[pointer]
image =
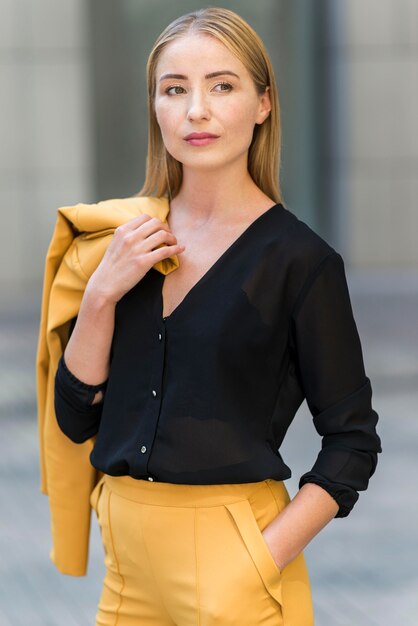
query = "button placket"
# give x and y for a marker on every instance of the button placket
(149, 420)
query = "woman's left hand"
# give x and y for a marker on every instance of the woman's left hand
(278, 561)
(288, 533)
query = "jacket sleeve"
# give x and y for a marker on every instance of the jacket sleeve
(338, 392)
(77, 417)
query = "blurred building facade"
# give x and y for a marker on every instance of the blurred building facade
(380, 61)
(73, 122)
(46, 155)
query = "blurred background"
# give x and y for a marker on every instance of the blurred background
(73, 129)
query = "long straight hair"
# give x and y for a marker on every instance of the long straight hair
(164, 174)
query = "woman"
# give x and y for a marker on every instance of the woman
(197, 375)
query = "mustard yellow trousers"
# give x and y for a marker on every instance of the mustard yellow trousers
(194, 555)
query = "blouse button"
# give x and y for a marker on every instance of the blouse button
(143, 449)
(154, 393)
(160, 336)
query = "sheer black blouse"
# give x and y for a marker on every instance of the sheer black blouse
(206, 395)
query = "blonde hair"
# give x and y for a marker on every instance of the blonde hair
(164, 173)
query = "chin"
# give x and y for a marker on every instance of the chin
(209, 161)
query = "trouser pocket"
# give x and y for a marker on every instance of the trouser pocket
(95, 495)
(254, 541)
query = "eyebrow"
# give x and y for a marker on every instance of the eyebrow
(207, 76)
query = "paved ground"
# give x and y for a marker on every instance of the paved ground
(363, 568)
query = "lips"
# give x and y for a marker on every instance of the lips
(200, 136)
(200, 139)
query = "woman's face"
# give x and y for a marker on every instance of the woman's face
(206, 103)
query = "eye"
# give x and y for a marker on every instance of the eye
(174, 90)
(223, 87)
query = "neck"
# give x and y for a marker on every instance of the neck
(214, 194)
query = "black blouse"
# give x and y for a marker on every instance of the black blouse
(206, 395)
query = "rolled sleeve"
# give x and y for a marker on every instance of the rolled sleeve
(77, 417)
(338, 392)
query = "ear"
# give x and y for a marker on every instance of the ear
(264, 107)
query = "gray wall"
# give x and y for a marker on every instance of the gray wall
(73, 118)
(379, 57)
(46, 141)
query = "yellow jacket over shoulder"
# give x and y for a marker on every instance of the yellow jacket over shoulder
(81, 235)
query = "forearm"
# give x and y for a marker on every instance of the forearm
(87, 354)
(309, 511)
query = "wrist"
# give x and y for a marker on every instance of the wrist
(98, 297)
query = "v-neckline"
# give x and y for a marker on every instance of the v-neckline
(211, 269)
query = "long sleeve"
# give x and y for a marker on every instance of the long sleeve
(338, 392)
(77, 417)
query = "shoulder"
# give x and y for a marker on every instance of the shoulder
(298, 252)
(300, 245)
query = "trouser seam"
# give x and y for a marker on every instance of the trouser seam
(140, 508)
(274, 497)
(197, 567)
(116, 561)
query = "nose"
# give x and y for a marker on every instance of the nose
(198, 106)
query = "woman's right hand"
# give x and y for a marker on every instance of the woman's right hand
(133, 250)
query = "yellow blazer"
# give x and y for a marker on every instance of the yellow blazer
(81, 235)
